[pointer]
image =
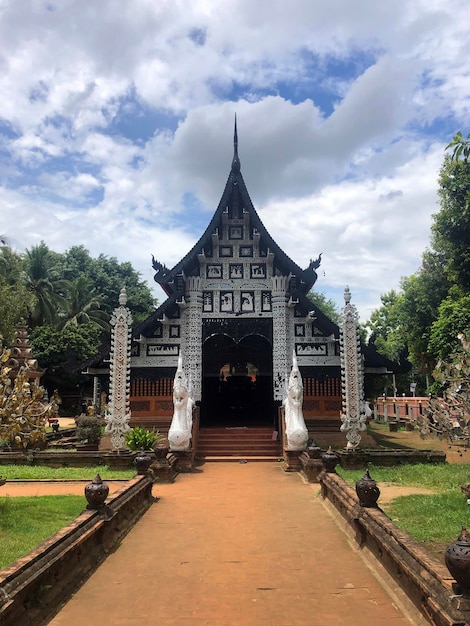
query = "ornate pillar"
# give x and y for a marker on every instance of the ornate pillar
(352, 374)
(117, 419)
(280, 338)
(192, 341)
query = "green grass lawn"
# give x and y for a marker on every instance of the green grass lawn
(36, 472)
(435, 520)
(27, 521)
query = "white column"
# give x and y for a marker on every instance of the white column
(192, 341)
(352, 374)
(117, 419)
(280, 338)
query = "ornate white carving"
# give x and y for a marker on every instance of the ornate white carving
(118, 416)
(353, 413)
(192, 341)
(296, 430)
(179, 434)
(280, 360)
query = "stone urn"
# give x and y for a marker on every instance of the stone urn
(161, 451)
(142, 461)
(314, 451)
(457, 559)
(96, 493)
(367, 491)
(330, 460)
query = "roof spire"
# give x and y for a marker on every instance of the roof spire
(236, 160)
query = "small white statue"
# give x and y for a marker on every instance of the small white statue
(179, 434)
(296, 430)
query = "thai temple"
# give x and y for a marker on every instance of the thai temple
(236, 315)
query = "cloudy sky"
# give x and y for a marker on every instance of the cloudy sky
(116, 126)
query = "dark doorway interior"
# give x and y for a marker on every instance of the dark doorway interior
(237, 387)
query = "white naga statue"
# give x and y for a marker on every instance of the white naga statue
(179, 434)
(296, 430)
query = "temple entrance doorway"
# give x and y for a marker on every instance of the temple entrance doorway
(237, 385)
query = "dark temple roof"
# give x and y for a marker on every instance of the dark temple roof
(235, 202)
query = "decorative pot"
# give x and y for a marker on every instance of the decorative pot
(457, 559)
(367, 491)
(96, 493)
(161, 451)
(330, 460)
(142, 461)
(314, 452)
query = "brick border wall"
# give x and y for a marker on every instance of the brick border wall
(34, 587)
(426, 582)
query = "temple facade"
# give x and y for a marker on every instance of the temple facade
(236, 312)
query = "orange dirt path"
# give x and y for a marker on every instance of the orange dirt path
(235, 544)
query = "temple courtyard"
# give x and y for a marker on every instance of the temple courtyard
(236, 543)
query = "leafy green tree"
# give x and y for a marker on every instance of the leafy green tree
(61, 350)
(84, 305)
(386, 327)
(425, 317)
(454, 319)
(47, 290)
(325, 304)
(422, 294)
(108, 277)
(15, 300)
(451, 228)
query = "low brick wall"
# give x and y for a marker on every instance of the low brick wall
(389, 457)
(34, 587)
(426, 582)
(69, 458)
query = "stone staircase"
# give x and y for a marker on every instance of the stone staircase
(238, 443)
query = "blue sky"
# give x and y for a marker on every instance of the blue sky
(116, 126)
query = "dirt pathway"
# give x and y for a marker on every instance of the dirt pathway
(234, 544)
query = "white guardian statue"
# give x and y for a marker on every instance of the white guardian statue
(296, 430)
(179, 434)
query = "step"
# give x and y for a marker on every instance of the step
(238, 442)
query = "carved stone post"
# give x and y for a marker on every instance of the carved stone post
(192, 344)
(352, 375)
(280, 342)
(117, 419)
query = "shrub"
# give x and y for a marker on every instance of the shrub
(88, 429)
(139, 438)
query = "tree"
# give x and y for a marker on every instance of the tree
(432, 305)
(61, 350)
(386, 327)
(453, 319)
(451, 228)
(108, 277)
(84, 305)
(325, 304)
(423, 293)
(47, 290)
(15, 300)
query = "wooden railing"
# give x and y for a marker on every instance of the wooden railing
(395, 409)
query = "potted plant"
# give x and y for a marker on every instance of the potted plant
(88, 432)
(142, 440)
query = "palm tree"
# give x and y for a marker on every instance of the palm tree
(48, 291)
(84, 305)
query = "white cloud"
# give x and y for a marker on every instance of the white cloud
(114, 113)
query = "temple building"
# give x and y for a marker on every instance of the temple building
(237, 309)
